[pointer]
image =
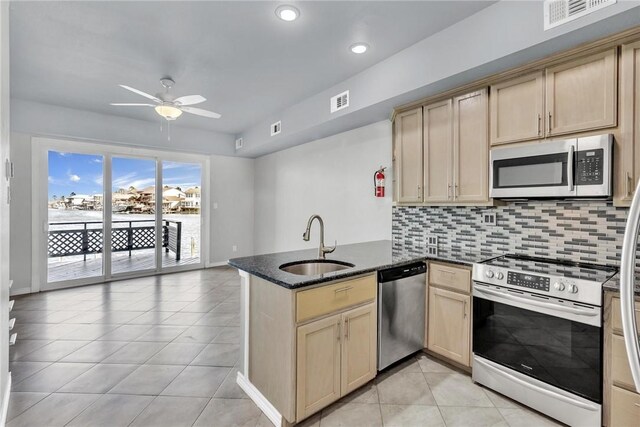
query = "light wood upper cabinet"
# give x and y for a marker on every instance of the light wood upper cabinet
(471, 147)
(449, 326)
(318, 365)
(517, 109)
(627, 150)
(438, 161)
(408, 155)
(582, 94)
(359, 348)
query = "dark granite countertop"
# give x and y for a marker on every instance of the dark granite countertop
(366, 257)
(613, 284)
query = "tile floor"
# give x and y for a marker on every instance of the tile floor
(161, 351)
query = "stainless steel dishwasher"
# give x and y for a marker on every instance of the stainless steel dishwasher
(401, 308)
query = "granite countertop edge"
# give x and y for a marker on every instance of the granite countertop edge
(613, 284)
(368, 257)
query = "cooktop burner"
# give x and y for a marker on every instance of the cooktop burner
(554, 267)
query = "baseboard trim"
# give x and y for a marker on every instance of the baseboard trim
(5, 401)
(216, 264)
(19, 291)
(265, 406)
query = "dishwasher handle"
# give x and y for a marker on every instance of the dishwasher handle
(397, 273)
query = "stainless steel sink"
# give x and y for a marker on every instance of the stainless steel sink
(315, 267)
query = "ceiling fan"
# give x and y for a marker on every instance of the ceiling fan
(167, 106)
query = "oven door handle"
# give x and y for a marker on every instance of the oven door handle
(538, 303)
(550, 393)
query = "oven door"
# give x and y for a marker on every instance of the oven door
(535, 170)
(554, 341)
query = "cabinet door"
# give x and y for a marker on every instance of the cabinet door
(582, 94)
(627, 150)
(471, 147)
(438, 162)
(517, 109)
(318, 365)
(359, 347)
(625, 408)
(408, 155)
(449, 325)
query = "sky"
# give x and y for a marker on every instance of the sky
(82, 174)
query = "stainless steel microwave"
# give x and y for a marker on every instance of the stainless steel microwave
(577, 167)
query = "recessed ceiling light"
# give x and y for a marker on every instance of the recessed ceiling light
(359, 48)
(287, 13)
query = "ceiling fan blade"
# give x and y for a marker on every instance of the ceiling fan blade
(201, 112)
(190, 100)
(125, 104)
(139, 92)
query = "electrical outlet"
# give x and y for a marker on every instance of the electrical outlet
(432, 250)
(432, 240)
(489, 218)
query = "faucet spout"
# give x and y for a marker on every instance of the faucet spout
(322, 250)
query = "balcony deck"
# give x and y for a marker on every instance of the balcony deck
(70, 268)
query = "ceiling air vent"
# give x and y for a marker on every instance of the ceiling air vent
(340, 101)
(558, 12)
(239, 143)
(276, 128)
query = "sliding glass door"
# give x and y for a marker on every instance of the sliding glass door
(75, 216)
(133, 215)
(147, 219)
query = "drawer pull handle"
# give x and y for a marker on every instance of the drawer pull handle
(346, 328)
(345, 289)
(339, 331)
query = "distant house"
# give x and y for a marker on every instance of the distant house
(192, 200)
(172, 199)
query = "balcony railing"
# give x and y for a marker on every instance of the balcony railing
(79, 238)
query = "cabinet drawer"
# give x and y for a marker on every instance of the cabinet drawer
(331, 298)
(457, 278)
(625, 408)
(616, 319)
(620, 371)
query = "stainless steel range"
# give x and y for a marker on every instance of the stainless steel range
(537, 334)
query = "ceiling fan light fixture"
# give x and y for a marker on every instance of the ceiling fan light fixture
(287, 12)
(169, 112)
(359, 48)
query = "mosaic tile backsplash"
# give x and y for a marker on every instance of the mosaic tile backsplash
(587, 231)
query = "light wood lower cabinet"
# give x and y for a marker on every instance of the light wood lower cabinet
(318, 366)
(335, 356)
(449, 312)
(621, 402)
(359, 347)
(449, 329)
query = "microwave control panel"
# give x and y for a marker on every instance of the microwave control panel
(589, 167)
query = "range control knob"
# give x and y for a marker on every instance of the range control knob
(559, 286)
(489, 274)
(500, 276)
(572, 288)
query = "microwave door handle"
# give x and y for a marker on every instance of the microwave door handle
(570, 162)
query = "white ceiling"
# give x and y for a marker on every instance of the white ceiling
(239, 55)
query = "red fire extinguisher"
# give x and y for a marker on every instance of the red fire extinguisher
(378, 182)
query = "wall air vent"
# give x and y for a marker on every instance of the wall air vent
(276, 128)
(239, 143)
(340, 101)
(558, 12)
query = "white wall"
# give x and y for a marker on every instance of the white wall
(231, 181)
(231, 208)
(332, 177)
